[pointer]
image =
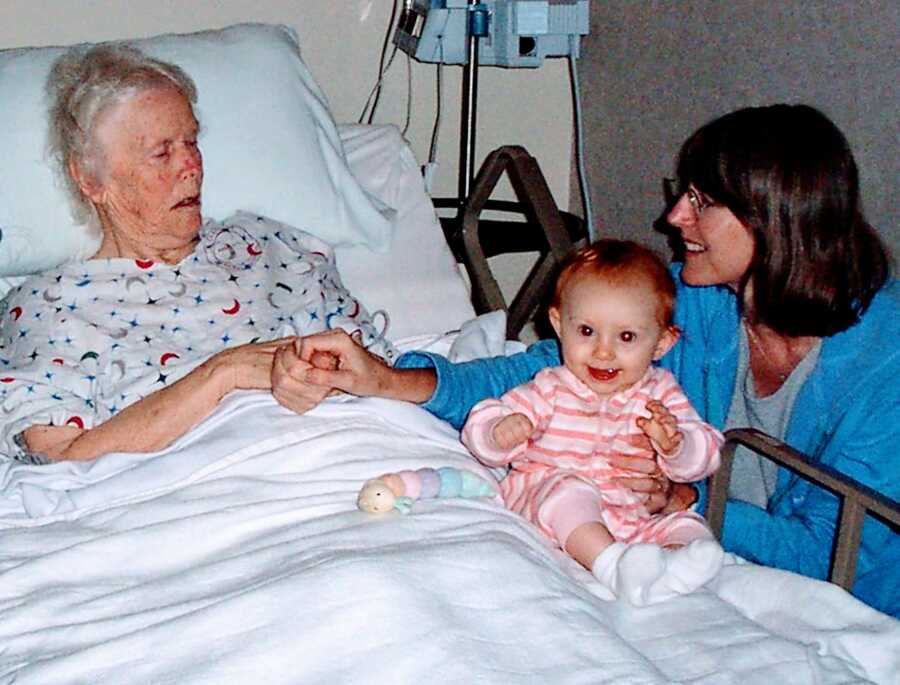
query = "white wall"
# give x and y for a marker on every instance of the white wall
(341, 41)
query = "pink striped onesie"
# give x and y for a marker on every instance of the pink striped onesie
(561, 477)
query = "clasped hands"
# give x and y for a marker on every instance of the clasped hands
(310, 369)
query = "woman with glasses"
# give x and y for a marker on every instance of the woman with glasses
(789, 319)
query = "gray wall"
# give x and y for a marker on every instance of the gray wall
(654, 71)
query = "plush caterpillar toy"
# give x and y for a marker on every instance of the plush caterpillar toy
(399, 490)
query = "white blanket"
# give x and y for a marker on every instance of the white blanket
(239, 556)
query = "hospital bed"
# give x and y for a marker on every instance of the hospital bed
(238, 555)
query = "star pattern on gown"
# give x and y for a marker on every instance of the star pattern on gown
(96, 336)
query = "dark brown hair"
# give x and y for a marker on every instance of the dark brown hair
(622, 261)
(787, 173)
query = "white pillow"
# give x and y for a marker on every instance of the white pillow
(269, 146)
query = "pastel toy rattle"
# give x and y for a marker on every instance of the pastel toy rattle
(399, 490)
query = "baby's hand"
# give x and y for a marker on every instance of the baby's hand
(512, 430)
(661, 428)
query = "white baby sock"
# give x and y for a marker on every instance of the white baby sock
(647, 574)
(643, 563)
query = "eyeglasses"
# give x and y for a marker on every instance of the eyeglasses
(699, 203)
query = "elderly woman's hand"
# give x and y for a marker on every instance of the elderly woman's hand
(155, 421)
(304, 374)
(247, 367)
(291, 385)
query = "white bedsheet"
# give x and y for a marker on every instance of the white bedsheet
(238, 556)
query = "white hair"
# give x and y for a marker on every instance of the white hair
(85, 81)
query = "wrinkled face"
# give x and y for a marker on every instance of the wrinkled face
(148, 187)
(610, 333)
(718, 247)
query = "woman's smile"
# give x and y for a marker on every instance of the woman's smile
(691, 246)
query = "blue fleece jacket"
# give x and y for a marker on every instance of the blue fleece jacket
(846, 415)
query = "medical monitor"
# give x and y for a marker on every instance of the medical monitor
(510, 33)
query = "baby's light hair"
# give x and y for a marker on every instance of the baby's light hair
(622, 261)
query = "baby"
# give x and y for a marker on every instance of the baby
(612, 312)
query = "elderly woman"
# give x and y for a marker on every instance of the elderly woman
(789, 320)
(129, 350)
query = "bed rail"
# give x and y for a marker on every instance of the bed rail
(546, 229)
(856, 499)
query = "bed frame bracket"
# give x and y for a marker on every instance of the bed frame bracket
(555, 238)
(857, 500)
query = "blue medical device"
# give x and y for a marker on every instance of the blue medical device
(509, 33)
(474, 33)
(504, 33)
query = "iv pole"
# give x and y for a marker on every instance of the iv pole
(477, 27)
(546, 230)
(469, 105)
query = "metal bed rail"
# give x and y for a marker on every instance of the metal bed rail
(546, 230)
(856, 499)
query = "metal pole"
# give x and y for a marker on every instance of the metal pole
(469, 112)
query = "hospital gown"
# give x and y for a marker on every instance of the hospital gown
(81, 342)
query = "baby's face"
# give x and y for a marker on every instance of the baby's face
(610, 333)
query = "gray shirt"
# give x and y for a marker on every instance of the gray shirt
(754, 477)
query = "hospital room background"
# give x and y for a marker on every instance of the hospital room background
(403, 596)
(651, 71)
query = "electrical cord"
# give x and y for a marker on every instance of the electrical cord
(435, 131)
(375, 93)
(579, 144)
(409, 95)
